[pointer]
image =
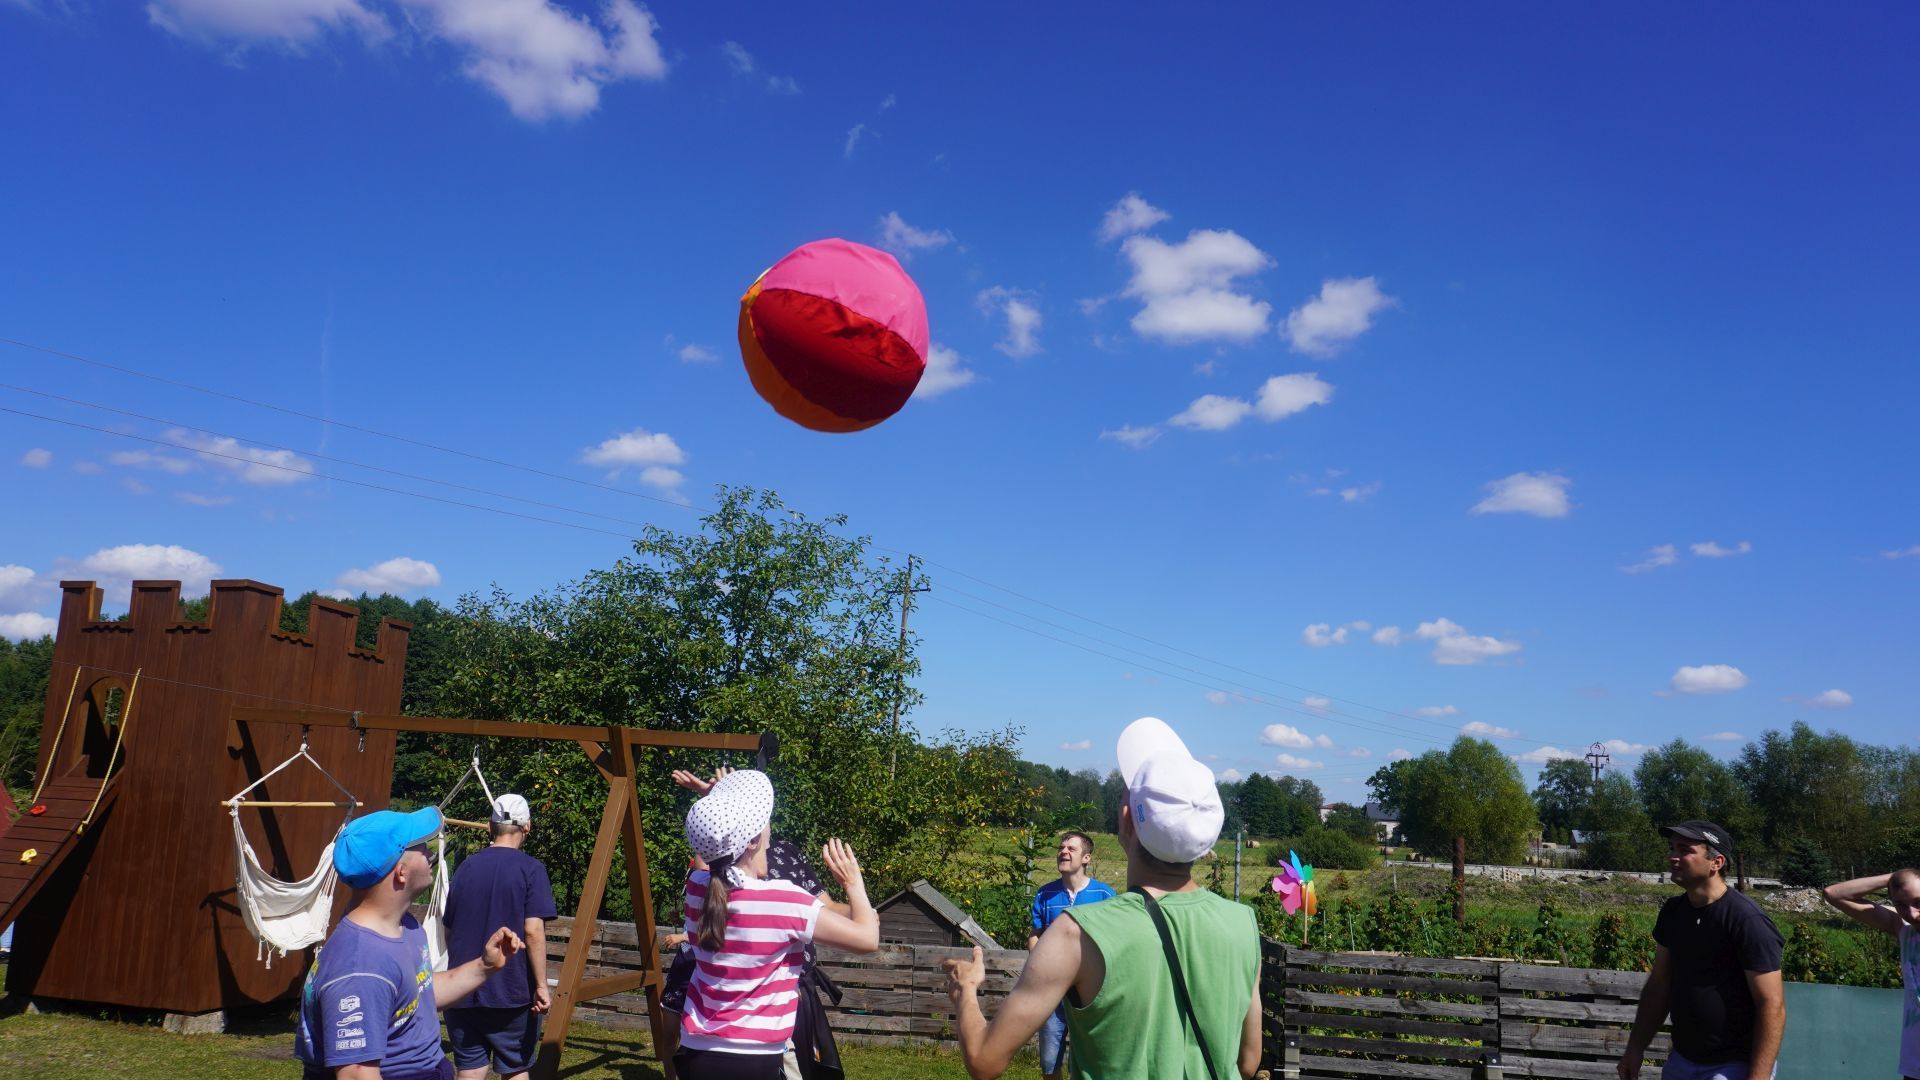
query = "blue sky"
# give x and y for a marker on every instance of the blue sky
(1405, 370)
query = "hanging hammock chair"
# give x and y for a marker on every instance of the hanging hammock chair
(284, 916)
(435, 924)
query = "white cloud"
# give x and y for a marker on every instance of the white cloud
(1288, 761)
(638, 448)
(903, 239)
(697, 354)
(541, 59)
(289, 22)
(1724, 736)
(194, 498)
(1399, 754)
(26, 625)
(1343, 311)
(1360, 493)
(1540, 494)
(945, 371)
(87, 468)
(1708, 679)
(1229, 775)
(1622, 746)
(1319, 704)
(116, 568)
(1712, 550)
(1437, 710)
(1083, 744)
(888, 102)
(1387, 635)
(37, 458)
(1212, 412)
(397, 575)
(20, 587)
(1284, 395)
(147, 459)
(742, 63)
(1487, 731)
(1130, 215)
(1359, 752)
(1452, 644)
(1221, 698)
(1664, 555)
(1902, 553)
(1137, 437)
(252, 464)
(1285, 735)
(853, 139)
(1831, 699)
(1542, 755)
(1023, 320)
(1321, 635)
(1186, 289)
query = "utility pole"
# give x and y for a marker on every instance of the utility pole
(907, 590)
(1598, 757)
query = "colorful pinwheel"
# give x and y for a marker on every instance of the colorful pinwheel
(1294, 883)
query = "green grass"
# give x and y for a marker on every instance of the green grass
(77, 1046)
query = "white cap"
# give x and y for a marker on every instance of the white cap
(512, 810)
(1174, 801)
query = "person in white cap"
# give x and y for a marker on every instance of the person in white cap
(498, 1027)
(749, 934)
(1162, 981)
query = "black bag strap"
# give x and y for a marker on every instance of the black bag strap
(1180, 996)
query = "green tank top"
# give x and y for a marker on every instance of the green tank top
(1132, 1028)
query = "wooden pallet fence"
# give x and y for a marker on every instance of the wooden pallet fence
(1382, 1014)
(894, 995)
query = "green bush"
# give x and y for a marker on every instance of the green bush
(1326, 849)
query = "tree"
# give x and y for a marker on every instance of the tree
(1566, 784)
(1620, 836)
(1812, 787)
(762, 620)
(1260, 806)
(1471, 790)
(24, 671)
(1681, 782)
(1299, 806)
(1353, 821)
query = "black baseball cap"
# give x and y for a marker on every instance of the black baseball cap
(1718, 840)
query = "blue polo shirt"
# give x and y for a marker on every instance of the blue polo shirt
(1053, 898)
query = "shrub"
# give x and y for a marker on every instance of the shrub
(1326, 849)
(1806, 958)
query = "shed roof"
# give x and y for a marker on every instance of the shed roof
(945, 908)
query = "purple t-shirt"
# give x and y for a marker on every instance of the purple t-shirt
(369, 997)
(496, 887)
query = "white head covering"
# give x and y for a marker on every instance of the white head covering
(512, 810)
(1176, 807)
(729, 816)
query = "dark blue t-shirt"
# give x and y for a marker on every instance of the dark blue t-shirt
(492, 888)
(369, 997)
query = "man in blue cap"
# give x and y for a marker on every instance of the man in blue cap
(370, 1009)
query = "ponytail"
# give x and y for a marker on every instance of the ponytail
(710, 933)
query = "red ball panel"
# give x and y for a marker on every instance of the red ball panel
(842, 361)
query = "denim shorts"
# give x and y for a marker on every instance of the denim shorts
(506, 1038)
(1053, 1041)
(1679, 1068)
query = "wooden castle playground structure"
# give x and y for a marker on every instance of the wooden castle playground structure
(120, 874)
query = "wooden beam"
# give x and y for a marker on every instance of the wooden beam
(609, 985)
(640, 889)
(494, 729)
(573, 970)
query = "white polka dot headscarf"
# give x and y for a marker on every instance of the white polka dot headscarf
(729, 816)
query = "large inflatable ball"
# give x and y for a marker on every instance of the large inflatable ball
(834, 336)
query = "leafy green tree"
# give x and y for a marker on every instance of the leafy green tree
(1471, 790)
(1299, 806)
(1620, 836)
(24, 671)
(1561, 799)
(1353, 821)
(1113, 795)
(1682, 782)
(1259, 806)
(1813, 787)
(1806, 866)
(762, 620)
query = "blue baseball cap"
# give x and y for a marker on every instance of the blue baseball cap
(370, 847)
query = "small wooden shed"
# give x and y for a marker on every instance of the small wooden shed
(922, 915)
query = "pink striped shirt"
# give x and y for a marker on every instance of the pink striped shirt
(743, 997)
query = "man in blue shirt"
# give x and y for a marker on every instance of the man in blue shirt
(501, 885)
(1075, 886)
(370, 1008)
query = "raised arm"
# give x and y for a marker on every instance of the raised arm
(1051, 968)
(1851, 898)
(859, 929)
(1656, 996)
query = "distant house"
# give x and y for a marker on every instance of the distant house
(922, 915)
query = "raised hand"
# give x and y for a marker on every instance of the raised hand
(964, 976)
(695, 784)
(842, 863)
(503, 945)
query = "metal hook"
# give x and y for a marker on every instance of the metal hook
(354, 723)
(304, 730)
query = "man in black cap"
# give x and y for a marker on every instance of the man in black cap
(1717, 968)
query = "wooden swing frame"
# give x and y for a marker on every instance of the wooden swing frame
(611, 750)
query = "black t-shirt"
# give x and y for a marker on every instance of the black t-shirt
(1712, 948)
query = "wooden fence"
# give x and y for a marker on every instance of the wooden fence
(1366, 1014)
(1327, 1014)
